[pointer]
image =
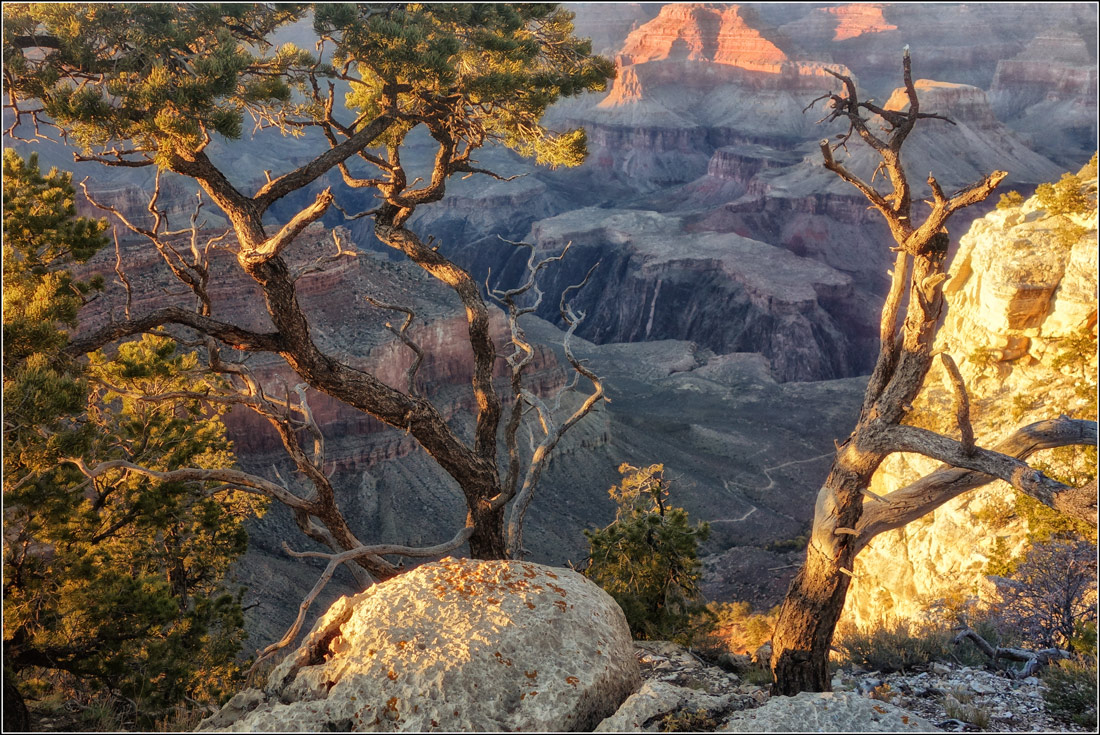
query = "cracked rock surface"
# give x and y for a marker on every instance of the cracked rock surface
(456, 645)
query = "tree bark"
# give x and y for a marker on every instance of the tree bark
(816, 597)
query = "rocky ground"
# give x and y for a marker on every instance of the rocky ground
(681, 691)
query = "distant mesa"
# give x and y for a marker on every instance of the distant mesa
(702, 33)
(964, 102)
(701, 47)
(853, 21)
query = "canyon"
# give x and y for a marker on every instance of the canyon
(735, 305)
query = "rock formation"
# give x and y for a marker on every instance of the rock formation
(1016, 292)
(456, 645)
(657, 282)
(827, 712)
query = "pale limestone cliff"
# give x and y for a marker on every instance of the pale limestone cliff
(1016, 296)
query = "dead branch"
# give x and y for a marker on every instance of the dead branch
(930, 492)
(962, 403)
(235, 478)
(122, 276)
(335, 560)
(1033, 660)
(553, 434)
(402, 334)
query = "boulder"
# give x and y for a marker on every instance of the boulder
(456, 645)
(827, 712)
(656, 700)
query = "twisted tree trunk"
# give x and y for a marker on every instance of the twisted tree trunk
(816, 597)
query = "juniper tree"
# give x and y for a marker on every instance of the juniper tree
(116, 582)
(136, 85)
(648, 557)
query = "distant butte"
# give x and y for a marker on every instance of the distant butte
(853, 21)
(702, 33)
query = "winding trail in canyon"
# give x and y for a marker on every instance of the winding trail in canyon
(771, 483)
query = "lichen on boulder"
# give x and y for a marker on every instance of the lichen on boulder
(456, 645)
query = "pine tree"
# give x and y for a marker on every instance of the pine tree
(113, 584)
(647, 559)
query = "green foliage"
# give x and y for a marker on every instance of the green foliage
(1070, 690)
(1077, 356)
(983, 358)
(1010, 200)
(743, 629)
(795, 543)
(1044, 524)
(494, 67)
(647, 559)
(113, 584)
(166, 75)
(1065, 197)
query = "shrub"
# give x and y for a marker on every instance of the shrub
(688, 721)
(744, 630)
(1010, 199)
(1070, 690)
(959, 705)
(1065, 197)
(1051, 593)
(893, 648)
(648, 560)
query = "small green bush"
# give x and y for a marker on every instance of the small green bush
(1065, 197)
(688, 721)
(1070, 691)
(648, 560)
(1010, 199)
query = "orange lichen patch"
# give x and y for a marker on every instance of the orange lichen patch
(493, 601)
(905, 719)
(531, 674)
(532, 693)
(371, 651)
(560, 604)
(500, 657)
(391, 708)
(402, 644)
(572, 681)
(435, 724)
(559, 590)
(392, 675)
(878, 708)
(551, 575)
(531, 605)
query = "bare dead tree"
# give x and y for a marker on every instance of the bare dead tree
(847, 515)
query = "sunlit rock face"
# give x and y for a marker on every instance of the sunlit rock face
(1016, 292)
(456, 645)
